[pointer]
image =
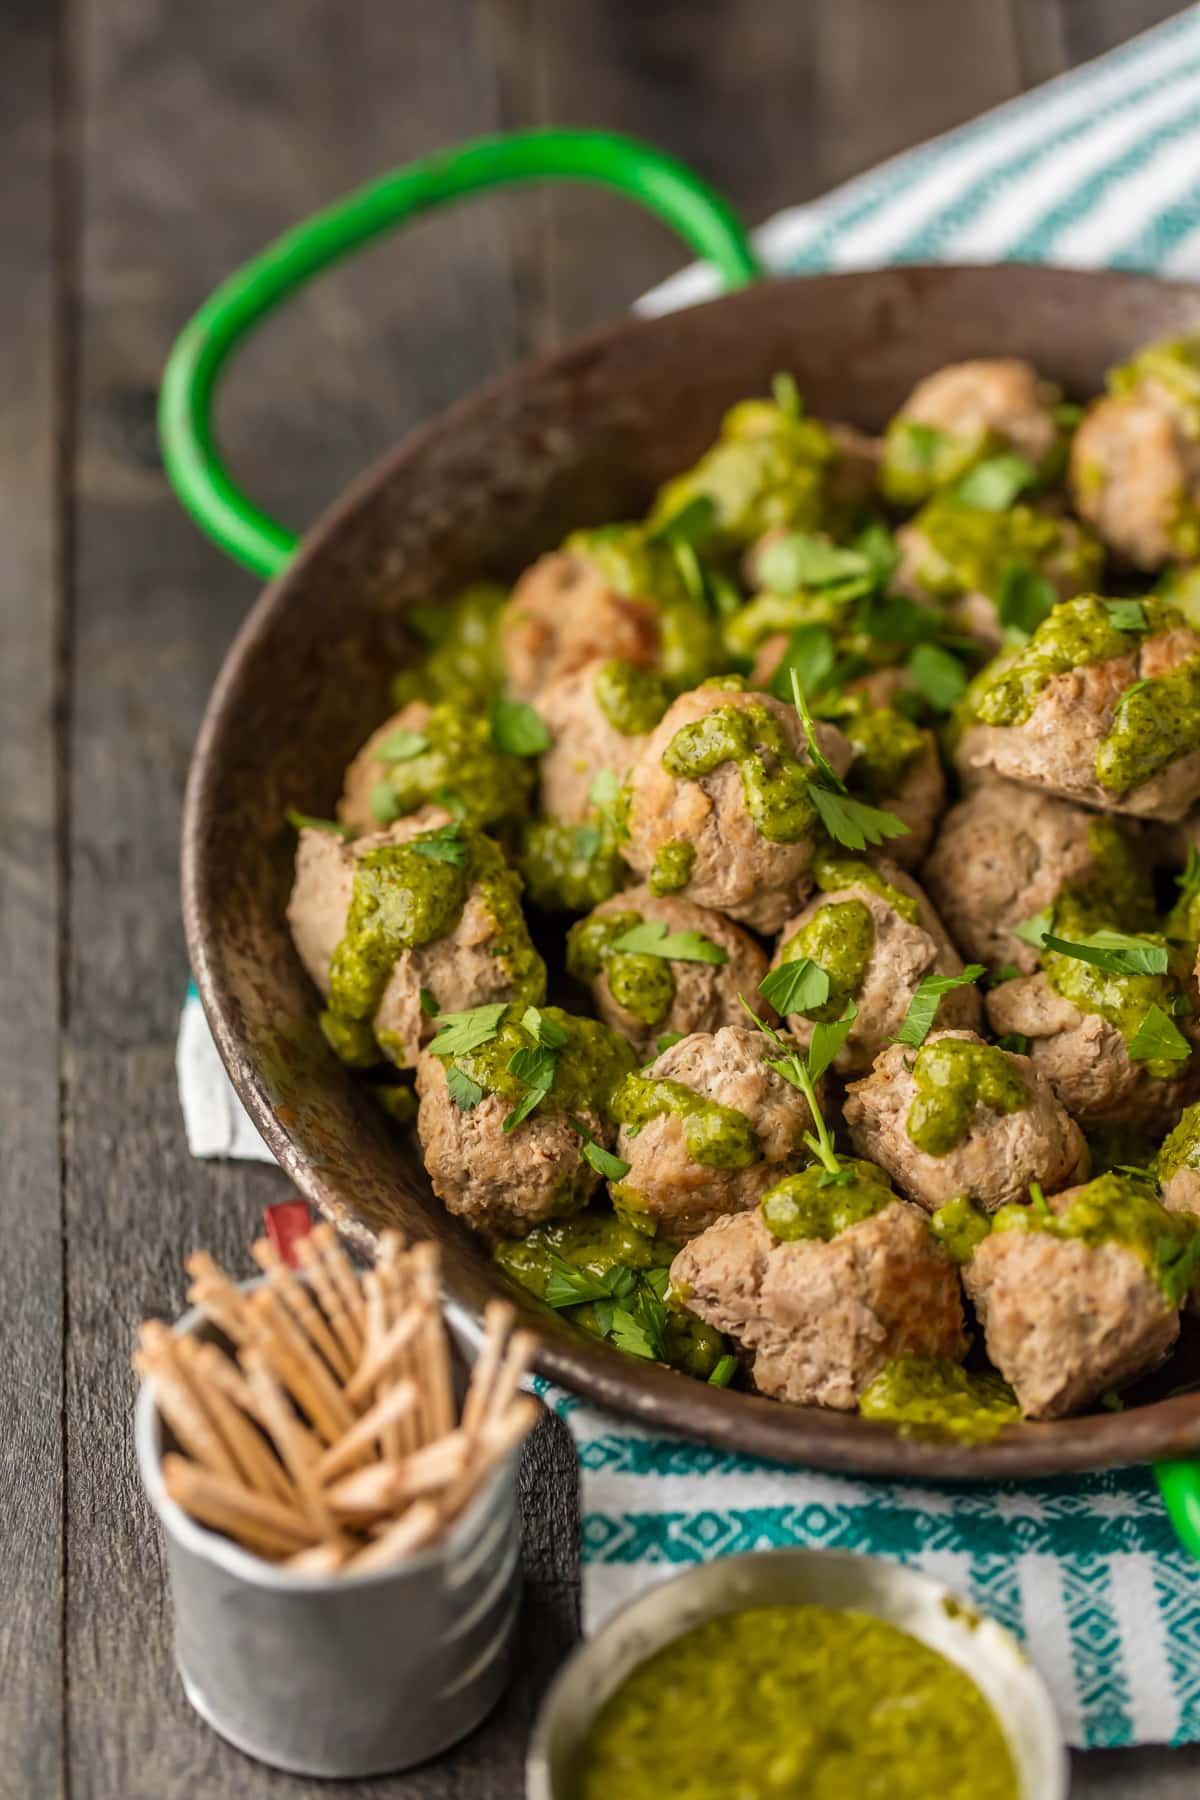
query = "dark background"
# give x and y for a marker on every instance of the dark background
(147, 147)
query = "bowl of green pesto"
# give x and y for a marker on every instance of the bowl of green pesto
(798, 1675)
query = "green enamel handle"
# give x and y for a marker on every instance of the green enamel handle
(1179, 1485)
(246, 297)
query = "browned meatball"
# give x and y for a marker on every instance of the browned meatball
(1004, 854)
(876, 935)
(1066, 1321)
(998, 1153)
(977, 407)
(470, 965)
(706, 1130)
(1178, 1164)
(1086, 1058)
(822, 1319)
(721, 770)
(584, 739)
(649, 997)
(1088, 732)
(1135, 462)
(422, 754)
(562, 614)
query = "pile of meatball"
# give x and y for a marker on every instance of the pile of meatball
(649, 771)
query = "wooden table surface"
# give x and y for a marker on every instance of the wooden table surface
(146, 147)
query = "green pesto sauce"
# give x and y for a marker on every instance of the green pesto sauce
(672, 867)
(919, 459)
(766, 472)
(569, 868)
(1181, 1148)
(590, 1065)
(930, 1396)
(960, 1228)
(1074, 634)
(643, 986)
(774, 783)
(840, 936)
(1156, 722)
(1172, 364)
(633, 700)
(464, 664)
(397, 1100)
(972, 549)
(718, 1136)
(1118, 1209)
(809, 1205)
(596, 1242)
(1117, 892)
(885, 745)
(401, 900)
(461, 760)
(952, 1077)
(772, 615)
(1124, 1000)
(835, 873)
(795, 1701)
(641, 567)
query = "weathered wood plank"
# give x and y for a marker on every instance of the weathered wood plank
(1090, 27)
(31, 631)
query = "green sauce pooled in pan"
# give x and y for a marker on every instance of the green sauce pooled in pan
(796, 1703)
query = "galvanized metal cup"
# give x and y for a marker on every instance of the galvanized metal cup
(914, 1603)
(348, 1675)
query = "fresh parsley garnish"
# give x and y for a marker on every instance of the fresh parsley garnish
(464, 1031)
(567, 1285)
(665, 1042)
(613, 1168)
(1189, 881)
(401, 746)
(385, 808)
(694, 521)
(797, 561)
(849, 822)
(1038, 1200)
(447, 844)
(650, 937)
(724, 1371)
(939, 675)
(464, 1091)
(1006, 972)
(1033, 931)
(803, 1073)
(811, 655)
(799, 986)
(429, 1005)
(1158, 1039)
(587, 842)
(786, 394)
(1016, 1041)
(306, 822)
(922, 1008)
(543, 1030)
(518, 729)
(827, 1039)
(1126, 615)
(1025, 599)
(633, 1336)
(994, 484)
(1114, 951)
(604, 789)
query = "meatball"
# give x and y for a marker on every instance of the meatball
(963, 557)
(1068, 1317)
(423, 752)
(647, 997)
(1005, 853)
(962, 1117)
(1177, 1164)
(897, 767)
(481, 955)
(504, 1179)
(706, 1129)
(720, 808)
(821, 1317)
(1135, 461)
(1086, 1055)
(875, 934)
(598, 719)
(961, 413)
(1101, 706)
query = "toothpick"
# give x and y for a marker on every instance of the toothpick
(254, 1519)
(296, 1298)
(343, 1455)
(414, 1529)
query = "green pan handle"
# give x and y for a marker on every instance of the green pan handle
(190, 453)
(1179, 1485)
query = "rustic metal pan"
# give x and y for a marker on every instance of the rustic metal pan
(580, 437)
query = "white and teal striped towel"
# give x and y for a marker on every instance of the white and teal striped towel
(1101, 167)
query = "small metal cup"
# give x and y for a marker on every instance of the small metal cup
(340, 1675)
(914, 1603)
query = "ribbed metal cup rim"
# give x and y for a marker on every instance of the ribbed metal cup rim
(903, 1597)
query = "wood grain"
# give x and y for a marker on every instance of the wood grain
(32, 636)
(189, 135)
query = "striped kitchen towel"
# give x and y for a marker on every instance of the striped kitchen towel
(1101, 167)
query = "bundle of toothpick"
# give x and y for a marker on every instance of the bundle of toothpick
(328, 1437)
